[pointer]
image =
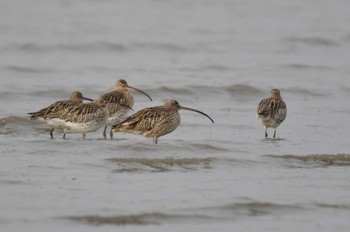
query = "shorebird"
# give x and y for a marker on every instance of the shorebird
(119, 95)
(52, 112)
(85, 118)
(155, 122)
(272, 111)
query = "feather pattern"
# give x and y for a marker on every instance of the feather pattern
(273, 108)
(119, 96)
(86, 117)
(55, 109)
(85, 113)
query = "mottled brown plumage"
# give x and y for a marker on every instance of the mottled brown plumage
(120, 95)
(86, 117)
(154, 122)
(56, 109)
(272, 111)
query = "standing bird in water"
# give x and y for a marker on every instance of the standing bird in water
(85, 118)
(155, 122)
(51, 113)
(272, 111)
(119, 95)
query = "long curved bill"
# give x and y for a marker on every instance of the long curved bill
(88, 99)
(138, 90)
(126, 107)
(190, 109)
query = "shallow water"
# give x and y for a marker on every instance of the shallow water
(219, 57)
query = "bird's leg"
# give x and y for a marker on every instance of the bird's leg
(111, 133)
(155, 140)
(274, 134)
(51, 133)
(64, 133)
(104, 132)
(84, 136)
(266, 132)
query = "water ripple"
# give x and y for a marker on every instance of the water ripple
(213, 214)
(160, 164)
(71, 47)
(313, 41)
(318, 159)
(137, 219)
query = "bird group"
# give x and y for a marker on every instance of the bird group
(111, 109)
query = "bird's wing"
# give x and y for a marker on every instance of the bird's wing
(114, 97)
(51, 110)
(116, 108)
(143, 120)
(82, 113)
(269, 106)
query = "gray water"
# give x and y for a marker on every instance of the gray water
(221, 57)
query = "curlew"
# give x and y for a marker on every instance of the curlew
(119, 95)
(156, 121)
(272, 111)
(85, 118)
(50, 114)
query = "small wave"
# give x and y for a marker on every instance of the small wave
(207, 147)
(217, 68)
(26, 47)
(314, 41)
(12, 182)
(255, 208)
(162, 165)
(238, 91)
(321, 159)
(26, 69)
(190, 90)
(334, 206)
(165, 161)
(203, 90)
(137, 219)
(116, 220)
(243, 90)
(16, 120)
(78, 47)
(167, 47)
(92, 47)
(215, 214)
(304, 92)
(171, 147)
(235, 90)
(16, 126)
(306, 66)
(179, 91)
